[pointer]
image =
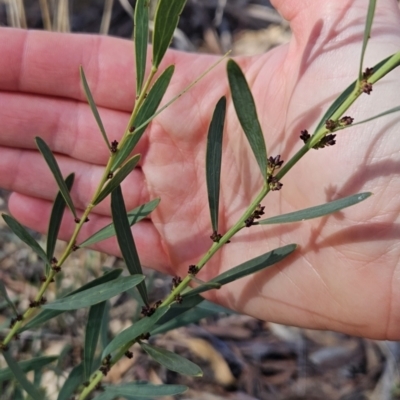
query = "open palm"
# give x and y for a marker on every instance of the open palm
(345, 274)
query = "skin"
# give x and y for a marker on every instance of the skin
(345, 275)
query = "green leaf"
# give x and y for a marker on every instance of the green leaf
(93, 107)
(317, 211)
(141, 35)
(172, 361)
(367, 34)
(213, 160)
(105, 323)
(144, 116)
(94, 320)
(46, 315)
(177, 309)
(23, 234)
(144, 325)
(75, 378)
(95, 295)
(165, 22)
(188, 316)
(52, 163)
(56, 217)
(117, 179)
(247, 268)
(125, 239)
(33, 364)
(247, 114)
(21, 378)
(134, 216)
(387, 112)
(3, 293)
(144, 389)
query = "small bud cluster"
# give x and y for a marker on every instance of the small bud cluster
(193, 269)
(54, 266)
(255, 215)
(105, 365)
(345, 121)
(178, 298)
(176, 280)
(366, 86)
(304, 135)
(273, 164)
(114, 145)
(128, 354)
(328, 140)
(17, 318)
(215, 237)
(147, 311)
(331, 125)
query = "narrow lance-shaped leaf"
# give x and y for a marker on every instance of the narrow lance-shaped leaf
(33, 364)
(213, 160)
(125, 239)
(147, 110)
(21, 378)
(144, 325)
(94, 320)
(93, 107)
(247, 268)
(55, 169)
(117, 179)
(172, 361)
(46, 315)
(3, 293)
(380, 115)
(141, 34)
(165, 22)
(190, 316)
(134, 216)
(247, 114)
(24, 235)
(317, 211)
(75, 378)
(367, 34)
(56, 217)
(138, 389)
(96, 294)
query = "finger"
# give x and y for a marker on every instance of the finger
(26, 172)
(47, 63)
(35, 213)
(67, 126)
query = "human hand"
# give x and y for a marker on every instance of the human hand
(346, 274)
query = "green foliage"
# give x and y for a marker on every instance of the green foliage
(165, 22)
(183, 305)
(213, 160)
(93, 107)
(24, 235)
(55, 169)
(247, 114)
(172, 361)
(95, 294)
(125, 239)
(141, 29)
(56, 216)
(134, 216)
(21, 378)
